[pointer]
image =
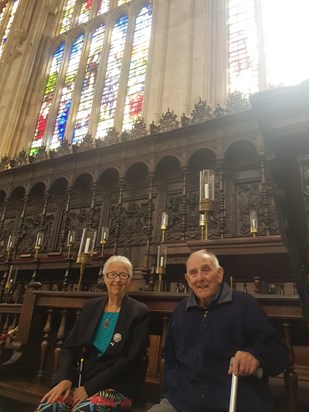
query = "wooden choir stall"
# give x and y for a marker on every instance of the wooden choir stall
(234, 180)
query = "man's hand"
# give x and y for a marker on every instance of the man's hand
(243, 364)
(79, 395)
(63, 388)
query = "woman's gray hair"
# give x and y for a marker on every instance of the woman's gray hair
(120, 259)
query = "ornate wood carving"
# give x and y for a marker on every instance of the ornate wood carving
(282, 116)
(149, 225)
(66, 218)
(221, 198)
(92, 207)
(184, 204)
(174, 211)
(202, 111)
(249, 198)
(132, 207)
(192, 215)
(265, 205)
(116, 229)
(168, 121)
(21, 222)
(139, 129)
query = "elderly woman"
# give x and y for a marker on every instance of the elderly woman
(109, 344)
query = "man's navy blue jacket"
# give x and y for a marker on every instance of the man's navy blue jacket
(200, 344)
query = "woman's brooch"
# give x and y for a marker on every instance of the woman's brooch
(116, 338)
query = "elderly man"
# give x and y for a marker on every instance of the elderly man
(207, 329)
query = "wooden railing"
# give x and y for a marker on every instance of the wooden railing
(9, 320)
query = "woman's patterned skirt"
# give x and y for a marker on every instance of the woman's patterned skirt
(107, 400)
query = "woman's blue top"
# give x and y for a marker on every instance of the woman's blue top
(105, 331)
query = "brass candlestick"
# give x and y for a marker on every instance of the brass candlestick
(11, 280)
(161, 264)
(104, 238)
(8, 279)
(70, 241)
(202, 224)
(103, 241)
(164, 223)
(207, 206)
(160, 272)
(34, 284)
(83, 259)
(253, 223)
(85, 251)
(69, 244)
(38, 244)
(207, 199)
(10, 246)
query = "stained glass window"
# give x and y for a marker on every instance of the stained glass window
(68, 15)
(67, 92)
(75, 13)
(120, 2)
(7, 14)
(285, 41)
(110, 91)
(85, 11)
(48, 96)
(98, 82)
(3, 8)
(243, 47)
(89, 83)
(137, 72)
(267, 43)
(104, 6)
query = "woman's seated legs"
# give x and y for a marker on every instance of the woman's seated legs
(163, 406)
(104, 401)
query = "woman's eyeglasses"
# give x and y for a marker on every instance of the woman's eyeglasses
(113, 275)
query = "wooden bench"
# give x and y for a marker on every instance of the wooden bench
(21, 395)
(28, 392)
(45, 318)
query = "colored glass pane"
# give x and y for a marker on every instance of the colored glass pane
(68, 15)
(48, 96)
(67, 92)
(285, 41)
(110, 91)
(104, 6)
(8, 26)
(120, 2)
(3, 8)
(85, 11)
(243, 47)
(261, 54)
(138, 65)
(84, 110)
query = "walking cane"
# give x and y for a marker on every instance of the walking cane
(81, 365)
(233, 398)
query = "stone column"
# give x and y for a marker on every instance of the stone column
(23, 59)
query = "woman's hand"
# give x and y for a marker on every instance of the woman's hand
(63, 388)
(244, 364)
(79, 395)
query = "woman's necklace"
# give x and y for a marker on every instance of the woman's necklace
(111, 316)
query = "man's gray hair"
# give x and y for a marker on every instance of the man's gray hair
(120, 259)
(210, 254)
